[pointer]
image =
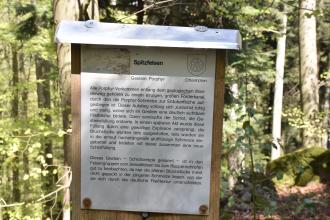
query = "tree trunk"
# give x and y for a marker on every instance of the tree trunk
(325, 106)
(16, 194)
(235, 156)
(88, 9)
(44, 102)
(308, 69)
(140, 15)
(323, 29)
(94, 10)
(65, 10)
(25, 94)
(278, 93)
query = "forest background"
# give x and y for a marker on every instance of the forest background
(277, 101)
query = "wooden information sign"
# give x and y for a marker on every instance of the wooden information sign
(147, 120)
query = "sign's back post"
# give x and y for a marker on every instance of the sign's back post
(212, 212)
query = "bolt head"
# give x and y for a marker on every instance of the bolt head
(203, 209)
(87, 203)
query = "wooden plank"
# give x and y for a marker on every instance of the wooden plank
(217, 132)
(84, 214)
(75, 111)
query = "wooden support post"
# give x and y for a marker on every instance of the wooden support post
(84, 214)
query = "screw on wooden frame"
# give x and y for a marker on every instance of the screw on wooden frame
(203, 209)
(87, 202)
(145, 215)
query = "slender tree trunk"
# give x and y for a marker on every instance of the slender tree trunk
(4, 177)
(88, 9)
(235, 156)
(323, 29)
(94, 10)
(325, 107)
(16, 194)
(326, 137)
(65, 10)
(44, 102)
(25, 91)
(140, 15)
(25, 94)
(308, 69)
(278, 93)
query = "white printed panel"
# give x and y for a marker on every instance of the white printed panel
(146, 139)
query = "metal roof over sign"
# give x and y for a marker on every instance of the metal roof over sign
(93, 32)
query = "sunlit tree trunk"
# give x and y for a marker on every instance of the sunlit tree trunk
(65, 10)
(235, 156)
(326, 108)
(278, 92)
(325, 105)
(68, 10)
(88, 9)
(16, 194)
(94, 10)
(308, 69)
(5, 171)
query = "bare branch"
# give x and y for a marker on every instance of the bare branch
(58, 189)
(146, 8)
(45, 198)
(5, 205)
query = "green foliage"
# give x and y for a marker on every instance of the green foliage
(29, 30)
(314, 127)
(26, 27)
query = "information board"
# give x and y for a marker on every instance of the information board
(146, 135)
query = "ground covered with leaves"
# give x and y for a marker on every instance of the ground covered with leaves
(296, 203)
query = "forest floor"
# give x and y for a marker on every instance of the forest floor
(297, 203)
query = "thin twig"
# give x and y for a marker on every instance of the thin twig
(5, 205)
(52, 193)
(12, 205)
(268, 7)
(146, 8)
(270, 30)
(58, 189)
(45, 198)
